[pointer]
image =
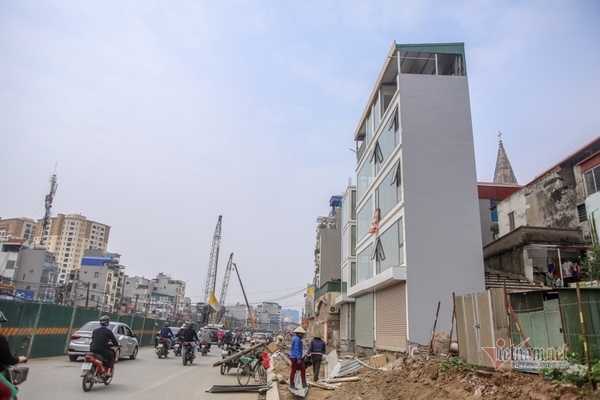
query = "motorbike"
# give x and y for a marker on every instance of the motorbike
(187, 354)
(203, 348)
(177, 347)
(15, 374)
(162, 348)
(93, 370)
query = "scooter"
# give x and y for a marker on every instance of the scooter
(203, 348)
(162, 349)
(15, 374)
(177, 347)
(93, 370)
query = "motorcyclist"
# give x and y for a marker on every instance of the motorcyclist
(179, 333)
(165, 333)
(101, 339)
(190, 335)
(227, 338)
(220, 335)
(205, 337)
(7, 390)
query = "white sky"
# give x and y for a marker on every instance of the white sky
(160, 116)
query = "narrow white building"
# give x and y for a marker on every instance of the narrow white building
(418, 236)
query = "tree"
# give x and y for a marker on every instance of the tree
(591, 265)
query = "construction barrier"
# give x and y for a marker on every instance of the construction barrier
(39, 330)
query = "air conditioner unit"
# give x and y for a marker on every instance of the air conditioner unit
(334, 310)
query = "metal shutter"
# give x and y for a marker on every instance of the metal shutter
(364, 321)
(391, 318)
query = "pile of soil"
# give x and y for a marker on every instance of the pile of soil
(420, 378)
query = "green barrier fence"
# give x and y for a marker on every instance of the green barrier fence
(39, 330)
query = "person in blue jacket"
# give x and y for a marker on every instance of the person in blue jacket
(296, 350)
(316, 350)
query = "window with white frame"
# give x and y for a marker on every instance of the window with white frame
(388, 247)
(592, 180)
(364, 219)
(364, 179)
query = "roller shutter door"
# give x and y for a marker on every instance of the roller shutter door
(391, 318)
(364, 321)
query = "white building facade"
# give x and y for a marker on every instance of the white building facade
(418, 234)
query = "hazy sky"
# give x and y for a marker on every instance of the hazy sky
(161, 116)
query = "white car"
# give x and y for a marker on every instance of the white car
(80, 340)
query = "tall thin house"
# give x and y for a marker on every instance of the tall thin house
(418, 231)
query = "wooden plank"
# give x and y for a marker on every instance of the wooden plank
(239, 354)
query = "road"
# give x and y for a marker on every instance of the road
(146, 378)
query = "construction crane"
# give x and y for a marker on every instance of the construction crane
(224, 288)
(48, 205)
(211, 274)
(250, 313)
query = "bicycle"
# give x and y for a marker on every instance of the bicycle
(251, 366)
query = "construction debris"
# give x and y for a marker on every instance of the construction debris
(346, 367)
(326, 386)
(238, 388)
(339, 380)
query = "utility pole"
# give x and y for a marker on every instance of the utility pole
(135, 305)
(87, 295)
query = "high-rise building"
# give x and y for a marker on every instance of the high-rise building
(418, 230)
(67, 236)
(17, 228)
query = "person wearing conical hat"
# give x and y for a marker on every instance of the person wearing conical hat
(316, 349)
(296, 350)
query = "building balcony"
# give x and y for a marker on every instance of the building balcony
(382, 280)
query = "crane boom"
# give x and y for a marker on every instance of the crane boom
(224, 288)
(250, 313)
(211, 274)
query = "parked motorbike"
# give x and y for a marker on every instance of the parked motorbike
(203, 349)
(93, 370)
(177, 347)
(162, 348)
(187, 354)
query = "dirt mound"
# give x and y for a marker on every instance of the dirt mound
(419, 378)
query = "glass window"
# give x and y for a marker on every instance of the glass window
(494, 211)
(401, 240)
(365, 216)
(387, 194)
(345, 244)
(352, 273)
(353, 205)
(344, 278)
(369, 128)
(377, 157)
(353, 240)
(390, 246)
(376, 113)
(592, 180)
(96, 274)
(511, 221)
(364, 177)
(365, 264)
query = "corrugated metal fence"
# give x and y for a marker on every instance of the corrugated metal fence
(43, 330)
(548, 319)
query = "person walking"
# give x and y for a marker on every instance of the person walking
(316, 349)
(296, 350)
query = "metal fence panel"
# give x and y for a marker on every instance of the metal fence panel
(52, 331)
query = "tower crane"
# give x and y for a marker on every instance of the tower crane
(250, 313)
(211, 274)
(224, 288)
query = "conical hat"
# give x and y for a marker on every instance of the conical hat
(299, 330)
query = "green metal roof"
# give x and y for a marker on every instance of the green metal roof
(439, 48)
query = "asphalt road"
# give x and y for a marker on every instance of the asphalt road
(146, 378)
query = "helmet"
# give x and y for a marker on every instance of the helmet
(183, 326)
(2, 317)
(166, 324)
(190, 324)
(104, 320)
(205, 327)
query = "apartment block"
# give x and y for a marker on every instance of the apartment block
(17, 228)
(98, 282)
(68, 236)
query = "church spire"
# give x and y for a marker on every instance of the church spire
(504, 172)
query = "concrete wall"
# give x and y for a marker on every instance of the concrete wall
(442, 224)
(331, 249)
